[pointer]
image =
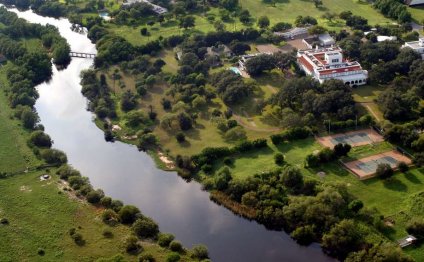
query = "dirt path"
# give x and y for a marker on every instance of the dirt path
(367, 106)
(248, 126)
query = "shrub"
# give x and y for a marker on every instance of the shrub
(416, 228)
(200, 252)
(165, 239)
(131, 245)
(312, 160)
(116, 205)
(304, 235)
(40, 139)
(326, 155)
(175, 246)
(65, 171)
(384, 171)
(94, 196)
(341, 149)
(279, 159)
(146, 257)
(235, 134)
(180, 137)
(231, 123)
(249, 199)
(78, 239)
(54, 156)
(173, 257)
(207, 168)
(128, 214)
(356, 205)
(403, 167)
(107, 233)
(145, 228)
(106, 202)
(228, 161)
(147, 141)
(41, 251)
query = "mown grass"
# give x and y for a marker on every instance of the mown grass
(367, 93)
(283, 11)
(417, 13)
(288, 10)
(168, 28)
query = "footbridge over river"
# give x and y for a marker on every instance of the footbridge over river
(82, 55)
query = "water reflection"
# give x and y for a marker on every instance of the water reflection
(124, 173)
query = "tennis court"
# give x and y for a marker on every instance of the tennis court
(353, 138)
(366, 167)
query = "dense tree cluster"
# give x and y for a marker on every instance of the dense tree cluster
(18, 27)
(258, 64)
(231, 87)
(98, 93)
(332, 99)
(394, 9)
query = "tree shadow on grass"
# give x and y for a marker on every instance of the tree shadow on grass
(193, 134)
(411, 177)
(185, 144)
(303, 143)
(395, 185)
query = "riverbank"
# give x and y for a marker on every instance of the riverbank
(125, 173)
(44, 216)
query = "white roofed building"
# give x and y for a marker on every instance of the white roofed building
(414, 2)
(328, 63)
(417, 46)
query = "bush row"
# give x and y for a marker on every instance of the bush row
(210, 154)
(291, 134)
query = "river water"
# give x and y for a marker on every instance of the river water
(125, 173)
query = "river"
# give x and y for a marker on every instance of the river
(124, 173)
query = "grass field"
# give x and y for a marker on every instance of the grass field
(417, 13)
(40, 217)
(395, 198)
(15, 155)
(283, 11)
(288, 10)
(365, 96)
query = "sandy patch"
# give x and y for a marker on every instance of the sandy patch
(168, 162)
(25, 189)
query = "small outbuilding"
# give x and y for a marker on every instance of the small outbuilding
(414, 2)
(406, 241)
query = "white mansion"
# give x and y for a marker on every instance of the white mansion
(328, 63)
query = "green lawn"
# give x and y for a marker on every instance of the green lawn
(168, 28)
(417, 13)
(367, 93)
(288, 10)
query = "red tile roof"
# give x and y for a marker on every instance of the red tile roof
(340, 70)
